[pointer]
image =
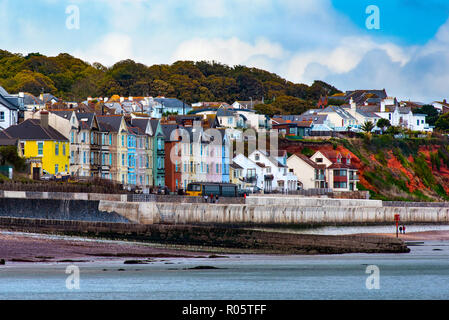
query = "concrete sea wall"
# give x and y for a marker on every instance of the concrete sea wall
(258, 210)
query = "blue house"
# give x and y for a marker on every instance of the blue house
(131, 144)
(225, 154)
(161, 106)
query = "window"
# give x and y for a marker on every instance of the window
(217, 167)
(2, 116)
(123, 159)
(40, 148)
(417, 122)
(84, 157)
(92, 138)
(65, 168)
(257, 157)
(84, 137)
(56, 168)
(63, 149)
(57, 149)
(340, 185)
(123, 141)
(176, 165)
(22, 147)
(72, 137)
(319, 160)
(91, 158)
(110, 158)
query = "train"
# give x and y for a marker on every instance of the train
(196, 189)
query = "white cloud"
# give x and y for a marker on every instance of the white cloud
(229, 51)
(109, 50)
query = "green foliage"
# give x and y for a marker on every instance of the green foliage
(380, 156)
(441, 192)
(368, 126)
(383, 123)
(423, 171)
(9, 156)
(307, 152)
(74, 79)
(431, 113)
(443, 122)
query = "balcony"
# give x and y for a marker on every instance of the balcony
(354, 177)
(320, 177)
(249, 179)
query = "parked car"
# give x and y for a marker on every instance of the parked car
(47, 177)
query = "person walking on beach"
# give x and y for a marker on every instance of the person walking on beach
(403, 229)
(211, 198)
(205, 198)
(216, 198)
(400, 229)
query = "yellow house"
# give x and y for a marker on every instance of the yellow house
(47, 150)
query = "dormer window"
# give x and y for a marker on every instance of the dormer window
(257, 157)
(319, 160)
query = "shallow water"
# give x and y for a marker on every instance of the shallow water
(342, 230)
(421, 274)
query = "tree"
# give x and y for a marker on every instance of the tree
(9, 156)
(368, 126)
(431, 113)
(383, 124)
(443, 122)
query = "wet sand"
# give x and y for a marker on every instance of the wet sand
(40, 248)
(440, 235)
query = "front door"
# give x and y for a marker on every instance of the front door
(36, 173)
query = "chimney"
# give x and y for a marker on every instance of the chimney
(44, 119)
(382, 106)
(353, 105)
(122, 99)
(130, 98)
(21, 95)
(444, 101)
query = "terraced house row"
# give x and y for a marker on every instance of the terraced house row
(129, 150)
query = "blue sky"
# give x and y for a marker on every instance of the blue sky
(301, 40)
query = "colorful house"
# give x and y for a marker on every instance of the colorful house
(172, 145)
(45, 148)
(157, 139)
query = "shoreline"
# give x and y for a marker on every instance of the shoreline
(23, 247)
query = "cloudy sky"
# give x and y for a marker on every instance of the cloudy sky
(301, 40)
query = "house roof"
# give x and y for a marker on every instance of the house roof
(167, 130)
(235, 166)
(225, 112)
(340, 111)
(66, 114)
(5, 99)
(310, 162)
(31, 129)
(140, 123)
(109, 123)
(85, 119)
(172, 103)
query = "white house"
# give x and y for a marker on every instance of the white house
(9, 109)
(403, 116)
(276, 175)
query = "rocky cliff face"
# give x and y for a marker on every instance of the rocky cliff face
(413, 169)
